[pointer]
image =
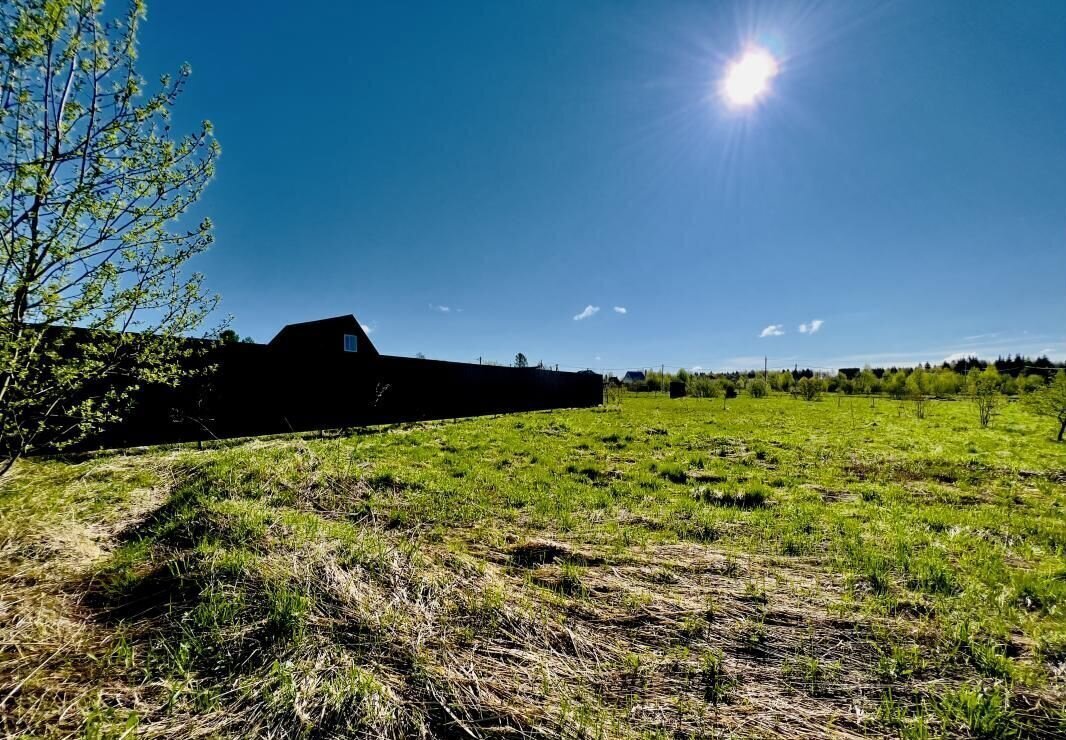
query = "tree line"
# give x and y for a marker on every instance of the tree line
(1040, 384)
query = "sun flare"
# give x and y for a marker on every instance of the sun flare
(748, 78)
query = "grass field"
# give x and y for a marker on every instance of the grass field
(661, 569)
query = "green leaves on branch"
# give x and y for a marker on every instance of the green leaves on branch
(1051, 401)
(91, 183)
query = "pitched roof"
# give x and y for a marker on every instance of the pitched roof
(321, 334)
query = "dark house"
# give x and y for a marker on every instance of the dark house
(325, 336)
(633, 376)
(327, 374)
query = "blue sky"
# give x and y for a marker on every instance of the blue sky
(468, 177)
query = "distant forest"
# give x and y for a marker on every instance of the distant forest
(1013, 366)
(1010, 376)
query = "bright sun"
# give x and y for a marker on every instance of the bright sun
(748, 78)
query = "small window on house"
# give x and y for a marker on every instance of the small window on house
(351, 343)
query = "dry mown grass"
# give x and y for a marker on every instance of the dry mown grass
(538, 638)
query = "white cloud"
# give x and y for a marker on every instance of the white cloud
(367, 328)
(696, 368)
(812, 327)
(590, 310)
(620, 309)
(773, 330)
(442, 309)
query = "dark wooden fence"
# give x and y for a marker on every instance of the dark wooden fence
(256, 390)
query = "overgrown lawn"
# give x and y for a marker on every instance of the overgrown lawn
(684, 568)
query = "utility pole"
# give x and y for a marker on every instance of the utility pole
(764, 367)
(662, 378)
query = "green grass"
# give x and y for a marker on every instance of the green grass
(768, 567)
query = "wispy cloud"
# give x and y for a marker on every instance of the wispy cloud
(812, 327)
(367, 328)
(590, 310)
(773, 330)
(620, 309)
(442, 309)
(696, 368)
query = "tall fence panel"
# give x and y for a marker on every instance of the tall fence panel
(254, 390)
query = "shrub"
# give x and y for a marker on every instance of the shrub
(809, 389)
(701, 386)
(1050, 401)
(757, 388)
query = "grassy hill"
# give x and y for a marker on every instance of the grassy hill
(664, 569)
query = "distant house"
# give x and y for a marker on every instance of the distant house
(633, 376)
(324, 336)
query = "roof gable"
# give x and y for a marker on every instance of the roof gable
(323, 335)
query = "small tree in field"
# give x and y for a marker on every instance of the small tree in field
(917, 390)
(520, 360)
(1051, 401)
(984, 390)
(91, 181)
(783, 381)
(867, 383)
(809, 389)
(757, 388)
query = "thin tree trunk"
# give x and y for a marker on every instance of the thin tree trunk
(1062, 428)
